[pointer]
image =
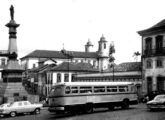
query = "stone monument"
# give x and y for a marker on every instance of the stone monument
(11, 88)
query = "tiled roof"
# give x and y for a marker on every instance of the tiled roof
(59, 54)
(79, 67)
(42, 68)
(127, 66)
(159, 27)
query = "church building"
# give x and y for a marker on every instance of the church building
(98, 59)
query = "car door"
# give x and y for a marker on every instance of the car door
(27, 106)
(18, 106)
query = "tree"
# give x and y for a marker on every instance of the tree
(136, 55)
(111, 57)
(111, 52)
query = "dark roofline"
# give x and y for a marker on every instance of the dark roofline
(157, 28)
(58, 54)
(77, 67)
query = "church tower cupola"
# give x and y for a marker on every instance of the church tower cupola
(102, 50)
(88, 46)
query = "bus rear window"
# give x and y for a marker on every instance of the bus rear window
(85, 89)
(98, 89)
(111, 88)
(123, 88)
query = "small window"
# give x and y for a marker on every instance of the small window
(74, 89)
(149, 64)
(104, 45)
(3, 61)
(15, 94)
(58, 77)
(66, 78)
(73, 78)
(34, 66)
(123, 88)
(159, 63)
(98, 89)
(85, 89)
(111, 88)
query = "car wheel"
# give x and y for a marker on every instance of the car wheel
(37, 111)
(13, 114)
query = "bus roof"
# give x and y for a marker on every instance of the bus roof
(94, 83)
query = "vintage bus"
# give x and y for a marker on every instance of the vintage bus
(85, 96)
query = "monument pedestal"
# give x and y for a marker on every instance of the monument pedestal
(12, 88)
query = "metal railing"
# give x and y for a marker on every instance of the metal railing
(154, 52)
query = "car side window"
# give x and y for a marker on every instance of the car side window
(26, 103)
(19, 104)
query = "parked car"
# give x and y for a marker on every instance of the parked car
(157, 103)
(18, 107)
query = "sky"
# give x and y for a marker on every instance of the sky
(54, 24)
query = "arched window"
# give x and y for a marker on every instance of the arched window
(58, 77)
(149, 63)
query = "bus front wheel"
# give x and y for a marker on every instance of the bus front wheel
(88, 108)
(111, 107)
(125, 104)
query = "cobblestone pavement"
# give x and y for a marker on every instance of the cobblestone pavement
(136, 112)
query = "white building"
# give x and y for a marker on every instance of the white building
(153, 58)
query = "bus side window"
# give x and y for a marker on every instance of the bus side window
(123, 88)
(98, 89)
(85, 89)
(111, 88)
(74, 89)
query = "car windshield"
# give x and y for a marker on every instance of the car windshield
(159, 97)
(10, 104)
(5, 105)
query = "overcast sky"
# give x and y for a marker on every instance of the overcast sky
(48, 24)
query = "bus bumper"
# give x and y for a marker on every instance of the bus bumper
(56, 109)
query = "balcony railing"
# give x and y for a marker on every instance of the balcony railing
(154, 52)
